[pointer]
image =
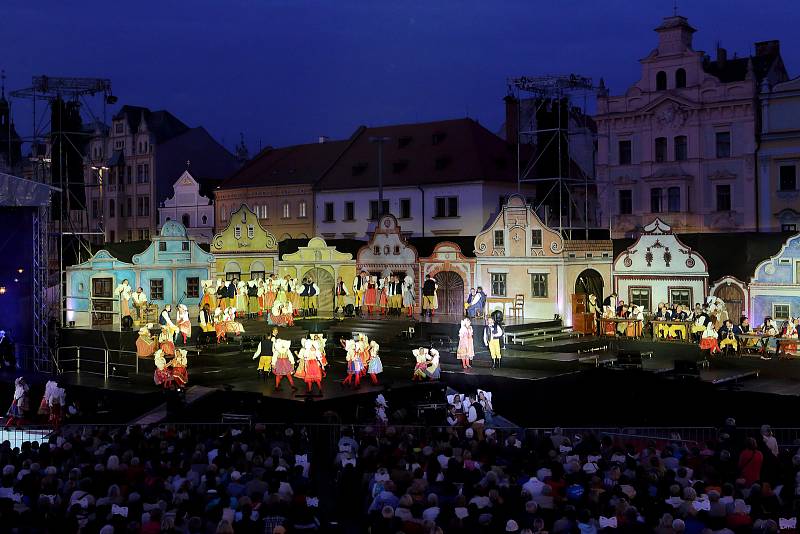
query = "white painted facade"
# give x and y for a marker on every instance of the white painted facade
(190, 208)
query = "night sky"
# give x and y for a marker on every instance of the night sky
(285, 72)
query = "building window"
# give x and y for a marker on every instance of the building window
(111, 208)
(301, 209)
(499, 284)
(661, 149)
(625, 152)
(680, 78)
(146, 204)
(625, 201)
(233, 276)
(237, 232)
(118, 128)
(640, 296)
(681, 148)
(139, 174)
(661, 81)
(674, 199)
(405, 208)
(185, 246)
(286, 210)
(723, 197)
(723, 140)
(789, 228)
(536, 238)
(446, 207)
(349, 211)
(438, 137)
(192, 287)
(376, 250)
(681, 297)
(162, 246)
(328, 212)
(129, 235)
(157, 289)
(499, 241)
(186, 220)
(205, 220)
(129, 211)
(655, 200)
(257, 275)
(373, 209)
(94, 208)
(781, 312)
(141, 233)
(251, 231)
(539, 285)
(788, 178)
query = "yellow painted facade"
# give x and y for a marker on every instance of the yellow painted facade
(244, 250)
(324, 264)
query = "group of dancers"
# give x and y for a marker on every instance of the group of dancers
(388, 295)
(275, 355)
(51, 406)
(271, 296)
(172, 374)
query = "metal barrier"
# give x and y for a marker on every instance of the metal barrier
(26, 357)
(103, 366)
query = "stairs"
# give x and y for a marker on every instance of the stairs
(532, 334)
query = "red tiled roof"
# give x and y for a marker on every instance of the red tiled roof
(449, 151)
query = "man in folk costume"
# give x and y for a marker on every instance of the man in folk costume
(222, 294)
(252, 298)
(466, 349)
(429, 299)
(339, 296)
(397, 296)
(146, 344)
(180, 373)
(125, 291)
(312, 365)
(264, 353)
(183, 322)
(140, 303)
(162, 376)
(492, 335)
(19, 404)
(282, 363)
(421, 363)
(408, 295)
(205, 319)
(311, 296)
(166, 321)
(230, 291)
(359, 287)
(473, 305)
(354, 364)
(375, 366)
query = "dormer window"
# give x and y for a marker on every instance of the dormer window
(237, 232)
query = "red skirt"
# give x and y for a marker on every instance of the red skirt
(282, 320)
(269, 300)
(181, 375)
(709, 343)
(384, 299)
(168, 348)
(313, 370)
(162, 377)
(370, 296)
(281, 366)
(185, 328)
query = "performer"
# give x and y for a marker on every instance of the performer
(270, 292)
(232, 326)
(339, 294)
(281, 314)
(19, 404)
(397, 296)
(359, 287)
(146, 344)
(292, 295)
(491, 338)
(474, 304)
(594, 309)
(709, 339)
(261, 296)
(375, 366)
(206, 320)
(354, 364)
(44, 405)
(140, 303)
(125, 292)
(222, 294)
(371, 294)
(282, 363)
(162, 376)
(429, 298)
(727, 338)
(320, 341)
(466, 350)
(383, 294)
(264, 353)
(183, 323)
(362, 349)
(312, 366)
(208, 295)
(166, 321)
(421, 365)
(309, 292)
(433, 370)
(408, 295)
(57, 400)
(166, 342)
(241, 298)
(300, 371)
(180, 374)
(252, 298)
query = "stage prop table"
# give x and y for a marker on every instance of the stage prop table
(503, 303)
(613, 326)
(782, 347)
(671, 329)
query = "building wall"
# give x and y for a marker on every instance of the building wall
(777, 281)
(187, 203)
(244, 246)
(325, 264)
(268, 204)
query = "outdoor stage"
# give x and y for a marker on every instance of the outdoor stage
(543, 364)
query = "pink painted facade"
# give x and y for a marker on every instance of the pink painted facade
(680, 143)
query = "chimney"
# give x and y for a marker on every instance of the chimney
(512, 119)
(722, 56)
(323, 139)
(768, 48)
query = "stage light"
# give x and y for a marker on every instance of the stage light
(20, 270)
(2, 290)
(16, 279)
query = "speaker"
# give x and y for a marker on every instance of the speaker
(127, 323)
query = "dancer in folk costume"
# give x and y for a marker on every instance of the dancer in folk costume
(222, 294)
(466, 349)
(354, 364)
(282, 363)
(44, 406)
(57, 400)
(19, 403)
(293, 296)
(383, 294)
(166, 343)
(261, 290)
(408, 295)
(270, 292)
(165, 320)
(146, 344)
(264, 353)
(375, 366)
(320, 340)
(232, 326)
(339, 296)
(241, 298)
(125, 292)
(312, 365)
(206, 319)
(362, 349)
(183, 323)
(209, 295)
(281, 314)
(162, 376)
(300, 371)
(371, 295)
(219, 324)
(359, 288)
(180, 373)
(430, 301)
(421, 365)
(492, 335)
(433, 370)
(252, 298)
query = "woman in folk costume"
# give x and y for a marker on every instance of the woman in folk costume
(708, 341)
(209, 295)
(282, 363)
(492, 335)
(261, 291)
(320, 340)
(166, 342)
(252, 298)
(383, 291)
(466, 349)
(264, 353)
(371, 294)
(300, 371)
(19, 403)
(125, 292)
(241, 298)
(362, 349)
(594, 309)
(57, 400)
(788, 345)
(313, 366)
(44, 406)
(232, 326)
(270, 292)
(421, 364)
(433, 370)
(180, 374)
(183, 322)
(281, 286)
(219, 323)
(281, 314)
(375, 365)
(408, 295)
(162, 376)
(354, 364)
(292, 294)
(146, 344)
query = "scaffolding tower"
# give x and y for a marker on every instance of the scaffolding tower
(555, 139)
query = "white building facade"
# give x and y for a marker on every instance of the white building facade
(188, 206)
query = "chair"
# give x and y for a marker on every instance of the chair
(518, 306)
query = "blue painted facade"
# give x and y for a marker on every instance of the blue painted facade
(776, 283)
(172, 257)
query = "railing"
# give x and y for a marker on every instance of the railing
(27, 357)
(104, 366)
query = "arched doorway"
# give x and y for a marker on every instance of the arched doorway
(733, 297)
(324, 281)
(450, 293)
(588, 282)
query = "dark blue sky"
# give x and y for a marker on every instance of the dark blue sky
(288, 71)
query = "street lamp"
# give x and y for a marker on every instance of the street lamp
(380, 141)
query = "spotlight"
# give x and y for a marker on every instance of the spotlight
(2, 290)
(20, 270)
(16, 279)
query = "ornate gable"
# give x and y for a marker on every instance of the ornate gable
(658, 251)
(244, 235)
(387, 245)
(518, 232)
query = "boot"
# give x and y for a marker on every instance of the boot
(493, 363)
